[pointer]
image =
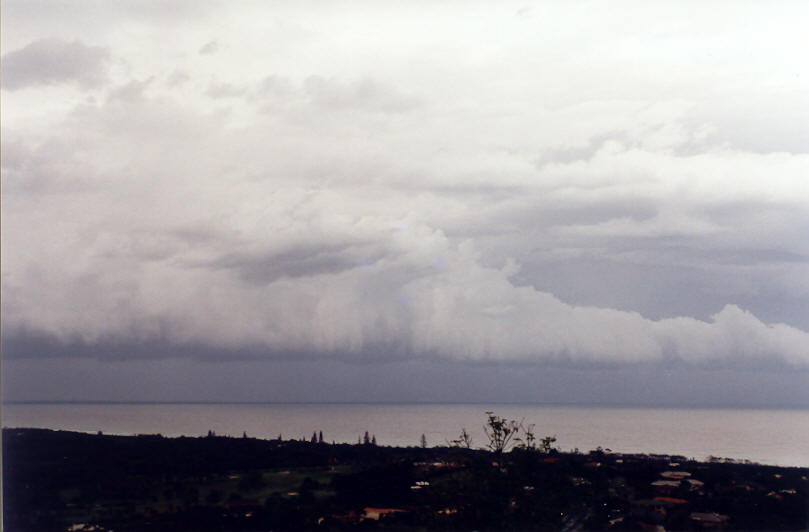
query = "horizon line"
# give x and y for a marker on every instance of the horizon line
(404, 403)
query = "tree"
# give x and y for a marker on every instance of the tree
(314, 437)
(501, 432)
(464, 440)
(546, 444)
(506, 433)
(529, 440)
(423, 441)
(373, 440)
(320, 437)
(366, 439)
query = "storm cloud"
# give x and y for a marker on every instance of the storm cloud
(461, 184)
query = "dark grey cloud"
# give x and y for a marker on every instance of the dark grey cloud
(178, 379)
(264, 268)
(34, 169)
(132, 91)
(55, 61)
(364, 94)
(86, 16)
(661, 289)
(318, 94)
(211, 47)
(551, 212)
(585, 152)
(14, 154)
(758, 124)
(177, 78)
(225, 90)
(742, 256)
(274, 85)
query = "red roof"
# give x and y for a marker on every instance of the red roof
(671, 499)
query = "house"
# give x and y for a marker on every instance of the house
(658, 511)
(694, 484)
(675, 475)
(378, 513)
(349, 517)
(671, 500)
(650, 511)
(666, 487)
(708, 521)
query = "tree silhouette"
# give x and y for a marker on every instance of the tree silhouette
(501, 432)
(464, 440)
(529, 440)
(546, 444)
(423, 441)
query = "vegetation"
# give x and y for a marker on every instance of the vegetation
(55, 480)
(464, 441)
(503, 434)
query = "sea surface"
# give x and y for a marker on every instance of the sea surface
(767, 436)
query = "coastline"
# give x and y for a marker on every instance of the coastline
(765, 436)
(151, 482)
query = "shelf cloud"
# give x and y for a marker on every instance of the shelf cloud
(289, 187)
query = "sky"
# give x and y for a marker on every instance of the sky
(579, 202)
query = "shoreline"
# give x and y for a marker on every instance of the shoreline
(765, 436)
(612, 452)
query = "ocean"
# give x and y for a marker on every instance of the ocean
(768, 436)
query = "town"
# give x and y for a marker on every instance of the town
(57, 480)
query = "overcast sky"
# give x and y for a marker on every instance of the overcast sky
(559, 202)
